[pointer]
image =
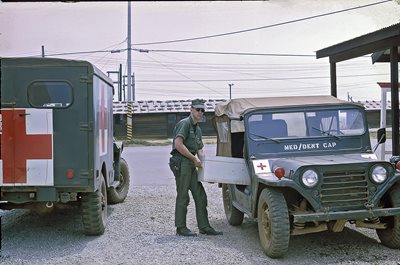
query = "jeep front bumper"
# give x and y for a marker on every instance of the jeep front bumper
(347, 215)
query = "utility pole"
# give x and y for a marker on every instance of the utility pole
(230, 90)
(131, 96)
(120, 83)
(43, 51)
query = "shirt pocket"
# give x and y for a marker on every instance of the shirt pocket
(191, 142)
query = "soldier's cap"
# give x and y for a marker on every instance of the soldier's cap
(198, 103)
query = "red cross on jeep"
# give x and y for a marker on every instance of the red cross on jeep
(17, 147)
(261, 166)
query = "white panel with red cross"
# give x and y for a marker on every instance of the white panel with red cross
(26, 140)
(103, 120)
(261, 166)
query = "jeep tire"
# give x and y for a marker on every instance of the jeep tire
(233, 215)
(273, 223)
(390, 236)
(119, 193)
(94, 210)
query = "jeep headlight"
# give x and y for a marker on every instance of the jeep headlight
(309, 178)
(378, 174)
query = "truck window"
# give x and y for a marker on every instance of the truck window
(50, 94)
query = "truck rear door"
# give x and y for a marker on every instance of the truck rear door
(42, 143)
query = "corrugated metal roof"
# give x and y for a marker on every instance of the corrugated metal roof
(374, 104)
(159, 106)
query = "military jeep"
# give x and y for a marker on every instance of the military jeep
(310, 168)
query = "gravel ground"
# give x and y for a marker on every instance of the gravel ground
(141, 231)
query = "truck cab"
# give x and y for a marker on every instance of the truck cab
(309, 167)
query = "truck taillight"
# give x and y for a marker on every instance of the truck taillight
(70, 173)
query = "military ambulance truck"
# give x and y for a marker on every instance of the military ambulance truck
(300, 165)
(57, 147)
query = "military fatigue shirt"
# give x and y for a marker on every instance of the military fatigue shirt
(191, 134)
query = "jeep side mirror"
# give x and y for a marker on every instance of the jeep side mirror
(381, 135)
(380, 138)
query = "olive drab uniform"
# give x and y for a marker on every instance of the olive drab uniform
(185, 173)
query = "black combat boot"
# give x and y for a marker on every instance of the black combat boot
(210, 231)
(184, 231)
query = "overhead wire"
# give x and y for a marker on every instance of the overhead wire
(261, 27)
(257, 79)
(185, 76)
(226, 53)
(172, 67)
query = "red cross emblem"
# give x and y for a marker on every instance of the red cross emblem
(17, 146)
(103, 121)
(261, 166)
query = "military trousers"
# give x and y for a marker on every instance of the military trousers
(186, 179)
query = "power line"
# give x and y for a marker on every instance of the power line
(183, 51)
(262, 27)
(236, 72)
(85, 52)
(185, 76)
(228, 53)
(253, 79)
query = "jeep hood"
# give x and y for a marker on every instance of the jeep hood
(294, 163)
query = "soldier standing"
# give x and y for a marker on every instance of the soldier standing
(183, 162)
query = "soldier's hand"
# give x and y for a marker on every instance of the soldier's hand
(197, 162)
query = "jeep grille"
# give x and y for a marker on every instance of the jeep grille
(342, 190)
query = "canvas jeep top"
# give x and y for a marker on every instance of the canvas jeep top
(307, 166)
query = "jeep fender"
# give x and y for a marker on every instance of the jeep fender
(270, 180)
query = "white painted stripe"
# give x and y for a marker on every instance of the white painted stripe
(39, 121)
(40, 173)
(100, 141)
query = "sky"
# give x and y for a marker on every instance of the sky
(269, 46)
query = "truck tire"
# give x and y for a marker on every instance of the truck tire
(119, 193)
(233, 215)
(94, 210)
(390, 236)
(273, 223)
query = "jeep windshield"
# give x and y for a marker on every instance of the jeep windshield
(336, 124)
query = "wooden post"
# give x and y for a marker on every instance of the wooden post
(333, 79)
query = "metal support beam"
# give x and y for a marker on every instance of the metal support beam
(394, 79)
(333, 79)
(120, 83)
